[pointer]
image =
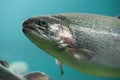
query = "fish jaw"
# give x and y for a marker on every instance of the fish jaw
(29, 28)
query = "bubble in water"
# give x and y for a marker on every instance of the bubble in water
(19, 67)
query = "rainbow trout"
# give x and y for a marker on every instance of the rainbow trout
(88, 43)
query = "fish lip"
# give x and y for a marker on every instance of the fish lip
(29, 27)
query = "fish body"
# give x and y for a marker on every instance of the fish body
(88, 43)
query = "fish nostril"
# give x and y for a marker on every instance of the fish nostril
(25, 23)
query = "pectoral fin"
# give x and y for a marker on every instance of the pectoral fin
(37, 76)
(59, 64)
(82, 54)
(61, 46)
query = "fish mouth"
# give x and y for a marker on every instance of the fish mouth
(32, 28)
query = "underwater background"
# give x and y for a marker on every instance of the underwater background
(25, 57)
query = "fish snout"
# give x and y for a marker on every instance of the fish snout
(25, 23)
(27, 26)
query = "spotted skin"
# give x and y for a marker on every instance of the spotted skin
(91, 42)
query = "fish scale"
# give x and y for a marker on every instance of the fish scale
(95, 47)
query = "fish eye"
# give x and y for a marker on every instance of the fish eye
(42, 23)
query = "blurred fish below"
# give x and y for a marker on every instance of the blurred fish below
(6, 74)
(19, 67)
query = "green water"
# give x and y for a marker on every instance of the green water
(14, 46)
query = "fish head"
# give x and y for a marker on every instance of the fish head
(48, 32)
(47, 28)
